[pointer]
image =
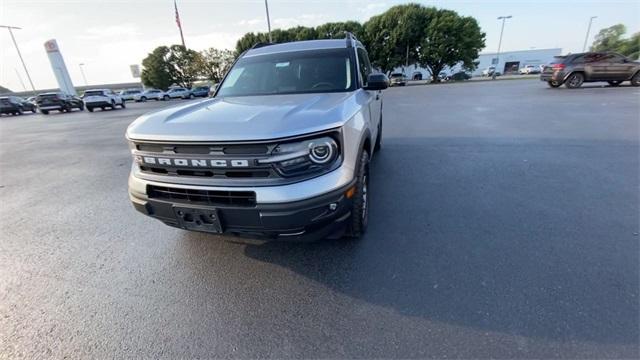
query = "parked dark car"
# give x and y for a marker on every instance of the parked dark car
(15, 105)
(460, 76)
(575, 69)
(58, 101)
(200, 91)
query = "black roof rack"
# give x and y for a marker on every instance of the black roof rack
(350, 37)
(260, 44)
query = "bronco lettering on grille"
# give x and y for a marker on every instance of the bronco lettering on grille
(194, 162)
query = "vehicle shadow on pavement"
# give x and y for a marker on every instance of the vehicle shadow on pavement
(498, 238)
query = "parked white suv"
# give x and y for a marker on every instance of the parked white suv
(529, 69)
(102, 98)
(129, 94)
(181, 93)
(151, 94)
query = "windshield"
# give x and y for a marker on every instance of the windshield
(94, 93)
(290, 73)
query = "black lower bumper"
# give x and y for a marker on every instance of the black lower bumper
(312, 219)
(95, 104)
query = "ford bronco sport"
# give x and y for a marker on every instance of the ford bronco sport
(281, 152)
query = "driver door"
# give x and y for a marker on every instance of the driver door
(375, 98)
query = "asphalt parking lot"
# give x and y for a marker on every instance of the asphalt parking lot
(504, 224)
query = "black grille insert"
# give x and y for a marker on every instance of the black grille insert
(203, 197)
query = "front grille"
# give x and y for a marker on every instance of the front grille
(203, 197)
(250, 153)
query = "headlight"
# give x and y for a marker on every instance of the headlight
(322, 151)
(307, 156)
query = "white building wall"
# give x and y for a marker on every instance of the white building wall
(522, 58)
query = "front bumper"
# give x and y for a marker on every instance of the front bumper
(102, 103)
(321, 216)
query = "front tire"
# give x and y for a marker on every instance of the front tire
(143, 99)
(123, 105)
(554, 84)
(614, 83)
(635, 80)
(165, 98)
(360, 208)
(45, 112)
(574, 81)
(90, 108)
(113, 105)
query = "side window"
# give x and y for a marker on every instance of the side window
(615, 58)
(364, 64)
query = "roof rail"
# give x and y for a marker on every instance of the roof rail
(260, 44)
(350, 37)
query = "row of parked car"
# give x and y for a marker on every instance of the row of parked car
(93, 99)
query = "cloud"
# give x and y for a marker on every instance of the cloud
(251, 22)
(111, 31)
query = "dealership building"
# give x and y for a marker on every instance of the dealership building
(507, 62)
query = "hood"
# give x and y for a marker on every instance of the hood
(245, 118)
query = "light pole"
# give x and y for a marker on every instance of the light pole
(19, 54)
(266, 6)
(82, 72)
(503, 18)
(586, 38)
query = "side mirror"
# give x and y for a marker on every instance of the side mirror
(377, 82)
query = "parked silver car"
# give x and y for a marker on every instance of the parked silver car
(280, 153)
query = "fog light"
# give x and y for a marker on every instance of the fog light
(333, 206)
(349, 193)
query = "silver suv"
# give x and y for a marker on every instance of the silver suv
(281, 152)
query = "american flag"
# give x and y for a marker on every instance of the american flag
(177, 15)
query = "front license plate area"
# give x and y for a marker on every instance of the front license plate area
(198, 219)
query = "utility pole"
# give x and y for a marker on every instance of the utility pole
(82, 72)
(266, 6)
(503, 18)
(586, 38)
(20, 78)
(19, 54)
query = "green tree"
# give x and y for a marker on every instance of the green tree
(215, 63)
(631, 47)
(336, 30)
(156, 69)
(185, 65)
(611, 39)
(248, 40)
(449, 39)
(394, 36)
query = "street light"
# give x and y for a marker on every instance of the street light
(266, 6)
(19, 54)
(503, 18)
(82, 72)
(586, 38)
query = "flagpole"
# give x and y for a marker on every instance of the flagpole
(175, 5)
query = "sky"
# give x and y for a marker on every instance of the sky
(108, 36)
